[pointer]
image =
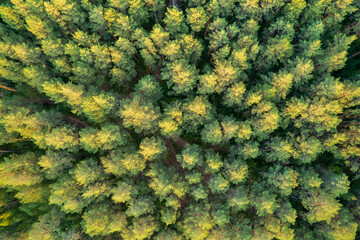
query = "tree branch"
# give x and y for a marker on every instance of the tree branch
(7, 88)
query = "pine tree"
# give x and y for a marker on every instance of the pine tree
(191, 119)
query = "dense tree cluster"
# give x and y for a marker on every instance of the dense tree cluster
(180, 119)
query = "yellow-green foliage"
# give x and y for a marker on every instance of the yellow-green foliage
(179, 119)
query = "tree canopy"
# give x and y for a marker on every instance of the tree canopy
(180, 119)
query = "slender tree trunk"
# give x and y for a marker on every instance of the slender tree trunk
(8, 151)
(354, 55)
(7, 88)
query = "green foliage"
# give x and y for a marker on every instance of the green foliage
(197, 18)
(87, 172)
(174, 20)
(103, 220)
(168, 234)
(179, 119)
(53, 163)
(47, 226)
(221, 215)
(212, 133)
(281, 150)
(237, 171)
(199, 192)
(190, 157)
(180, 76)
(108, 138)
(61, 138)
(310, 179)
(197, 222)
(234, 95)
(151, 148)
(140, 206)
(121, 192)
(168, 216)
(337, 184)
(218, 184)
(283, 178)
(139, 114)
(213, 161)
(286, 213)
(197, 110)
(149, 88)
(238, 198)
(143, 227)
(321, 205)
(16, 172)
(66, 194)
(343, 227)
(263, 200)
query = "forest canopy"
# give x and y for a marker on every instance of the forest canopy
(180, 119)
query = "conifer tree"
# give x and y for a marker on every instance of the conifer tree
(179, 119)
